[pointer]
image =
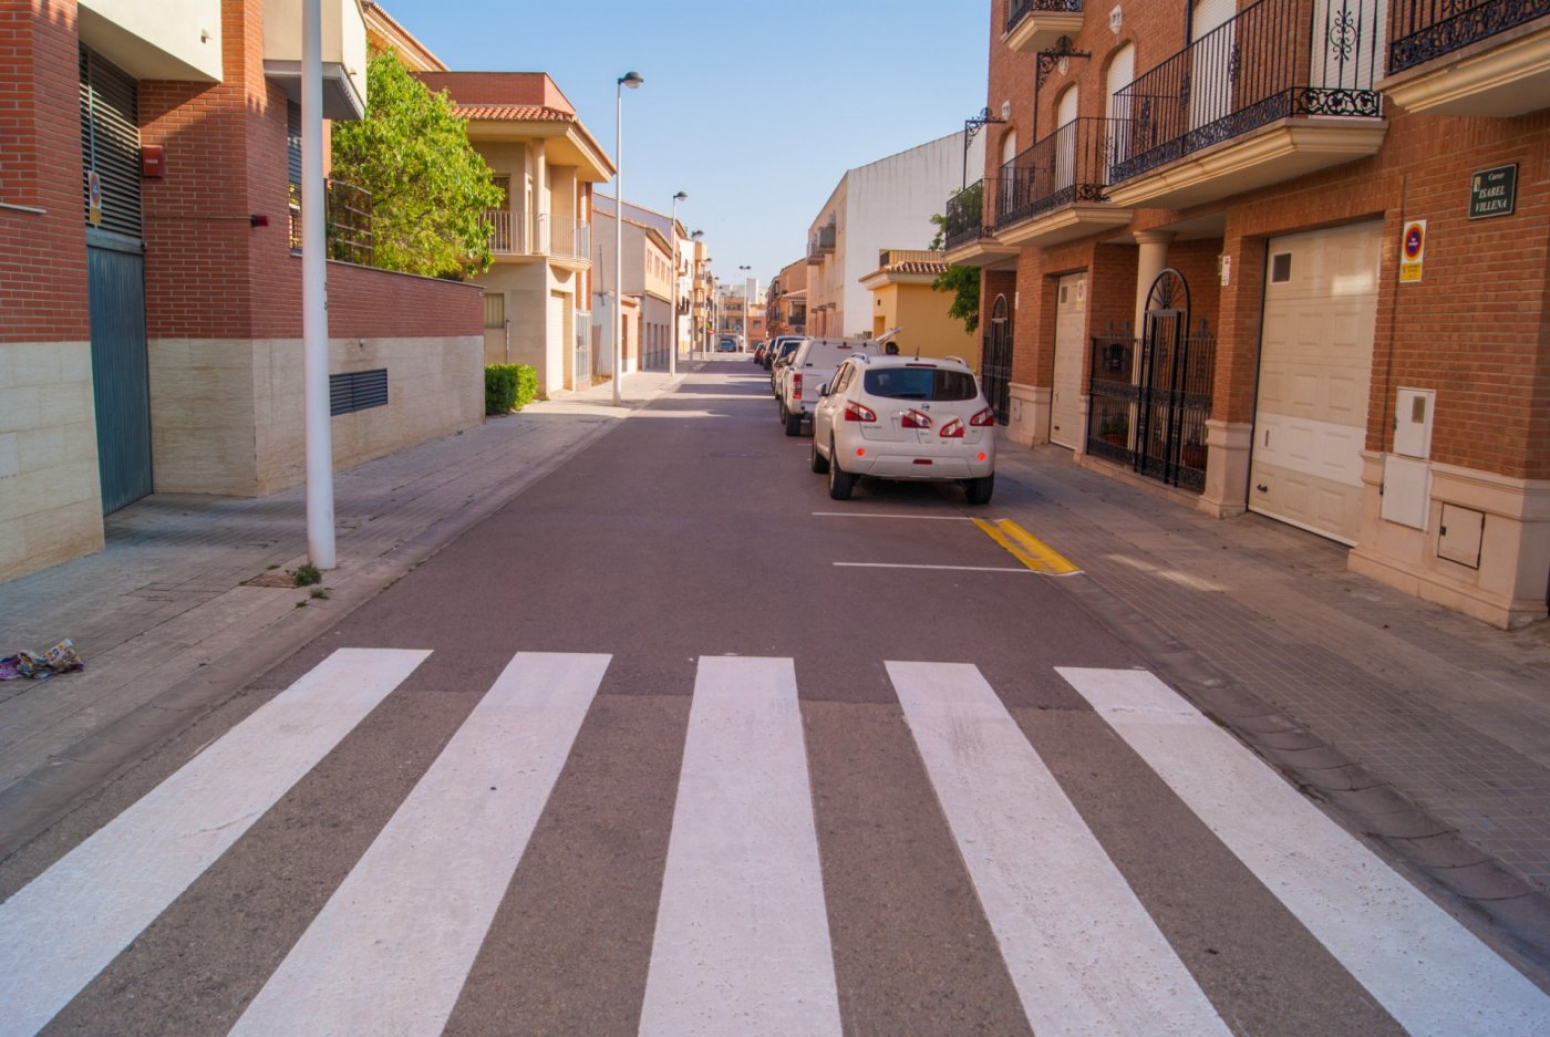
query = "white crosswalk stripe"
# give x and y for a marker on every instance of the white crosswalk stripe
(741, 945)
(1429, 972)
(389, 951)
(66, 926)
(742, 941)
(1085, 956)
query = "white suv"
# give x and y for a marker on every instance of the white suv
(894, 417)
(812, 366)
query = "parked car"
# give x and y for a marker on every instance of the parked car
(728, 344)
(758, 353)
(777, 358)
(895, 417)
(781, 345)
(812, 366)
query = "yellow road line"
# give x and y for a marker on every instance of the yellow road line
(1020, 544)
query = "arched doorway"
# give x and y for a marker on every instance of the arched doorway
(996, 359)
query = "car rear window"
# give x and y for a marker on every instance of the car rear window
(920, 383)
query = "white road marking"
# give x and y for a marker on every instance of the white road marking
(948, 568)
(886, 515)
(391, 949)
(1428, 972)
(742, 938)
(67, 925)
(1083, 953)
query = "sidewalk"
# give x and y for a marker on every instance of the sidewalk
(193, 595)
(1425, 730)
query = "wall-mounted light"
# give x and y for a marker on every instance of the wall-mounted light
(258, 219)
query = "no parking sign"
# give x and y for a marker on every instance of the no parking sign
(1412, 252)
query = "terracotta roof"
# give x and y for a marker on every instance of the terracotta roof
(915, 267)
(511, 112)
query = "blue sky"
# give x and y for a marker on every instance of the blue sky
(755, 109)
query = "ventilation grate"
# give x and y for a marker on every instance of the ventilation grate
(357, 390)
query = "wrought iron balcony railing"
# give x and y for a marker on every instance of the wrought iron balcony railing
(1017, 10)
(1070, 165)
(1274, 60)
(963, 223)
(822, 241)
(1425, 29)
(347, 216)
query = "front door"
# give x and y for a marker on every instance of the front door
(996, 364)
(1070, 335)
(121, 384)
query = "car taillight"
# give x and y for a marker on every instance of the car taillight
(796, 386)
(953, 429)
(984, 419)
(914, 419)
(855, 412)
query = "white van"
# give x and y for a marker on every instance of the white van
(811, 367)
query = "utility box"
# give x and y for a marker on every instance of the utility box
(1460, 535)
(1413, 422)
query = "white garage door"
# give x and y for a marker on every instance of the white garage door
(1315, 368)
(1065, 423)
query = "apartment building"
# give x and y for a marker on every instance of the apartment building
(537, 293)
(785, 304)
(150, 287)
(648, 284)
(883, 204)
(1286, 257)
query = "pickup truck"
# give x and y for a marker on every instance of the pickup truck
(811, 367)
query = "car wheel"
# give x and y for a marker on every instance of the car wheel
(793, 423)
(840, 481)
(979, 490)
(820, 463)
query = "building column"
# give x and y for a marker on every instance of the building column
(1152, 260)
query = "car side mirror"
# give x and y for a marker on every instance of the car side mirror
(823, 390)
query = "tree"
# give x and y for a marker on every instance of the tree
(962, 281)
(429, 187)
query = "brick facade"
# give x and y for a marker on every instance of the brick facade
(223, 297)
(1474, 329)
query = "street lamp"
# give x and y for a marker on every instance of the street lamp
(699, 287)
(747, 310)
(672, 356)
(631, 80)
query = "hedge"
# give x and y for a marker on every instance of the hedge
(509, 387)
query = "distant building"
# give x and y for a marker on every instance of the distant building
(902, 297)
(884, 204)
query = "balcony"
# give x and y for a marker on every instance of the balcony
(1036, 25)
(1469, 57)
(1282, 90)
(1054, 191)
(967, 238)
(343, 48)
(564, 241)
(821, 243)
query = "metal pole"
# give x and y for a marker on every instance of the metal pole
(672, 352)
(618, 321)
(314, 297)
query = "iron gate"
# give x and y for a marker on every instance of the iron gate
(1149, 412)
(996, 360)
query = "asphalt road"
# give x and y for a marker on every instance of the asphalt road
(673, 744)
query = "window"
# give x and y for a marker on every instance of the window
(920, 383)
(1281, 268)
(494, 310)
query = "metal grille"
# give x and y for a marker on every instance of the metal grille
(110, 144)
(996, 361)
(1427, 29)
(357, 390)
(1070, 165)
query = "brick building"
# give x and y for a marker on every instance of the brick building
(150, 296)
(1286, 256)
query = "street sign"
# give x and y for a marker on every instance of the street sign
(1412, 252)
(94, 198)
(1493, 192)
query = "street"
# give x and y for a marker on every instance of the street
(673, 744)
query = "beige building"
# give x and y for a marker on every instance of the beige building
(537, 294)
(902, 297)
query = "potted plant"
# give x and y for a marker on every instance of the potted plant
(1114, 429)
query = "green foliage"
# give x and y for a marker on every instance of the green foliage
(429, 187)
(509, 387)
(307, 575)
(962, 281)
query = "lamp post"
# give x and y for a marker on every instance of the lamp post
(672, 355)
(631, 80)
(699, 287)
(747, 309)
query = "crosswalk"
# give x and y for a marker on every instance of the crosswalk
(742, 943)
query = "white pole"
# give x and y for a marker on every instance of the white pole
(672, 353)
(314, 297)
(618, 237)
